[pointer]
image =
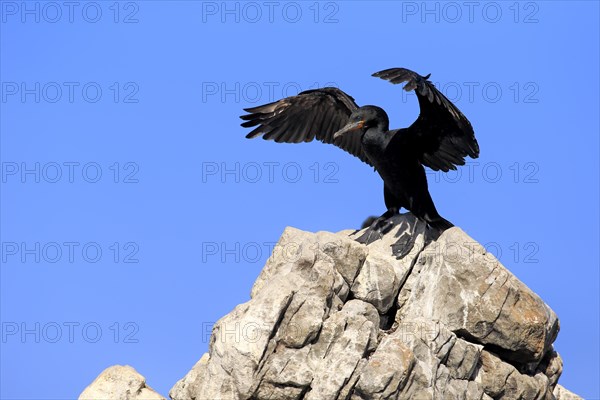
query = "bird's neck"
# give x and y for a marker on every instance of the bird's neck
(375, 137)
(383, 125)
(380, 129)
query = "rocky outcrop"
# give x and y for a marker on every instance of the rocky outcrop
(561, 393)
(330, 318)
(119, 383)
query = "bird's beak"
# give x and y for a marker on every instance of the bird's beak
(351, 126)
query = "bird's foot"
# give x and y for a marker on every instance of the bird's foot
(378, 228)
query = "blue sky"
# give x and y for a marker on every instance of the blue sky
(134, 214)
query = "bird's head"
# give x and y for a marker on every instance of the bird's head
(364, 118)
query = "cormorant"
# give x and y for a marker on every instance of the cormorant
(440, 139)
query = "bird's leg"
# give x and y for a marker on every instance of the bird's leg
(378, 228)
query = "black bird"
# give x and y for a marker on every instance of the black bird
(440, 139)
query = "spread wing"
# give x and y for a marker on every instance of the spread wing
(313, 113)
(442, 135)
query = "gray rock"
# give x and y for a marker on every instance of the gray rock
(330, 318)
(445, 365)
(188, 385)
(381, 275)
(347, 336)
(502, 380)
(379, 380)
(377, 283)
(348, 321)
(457, 283)
(119, 382)
(560, 393)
